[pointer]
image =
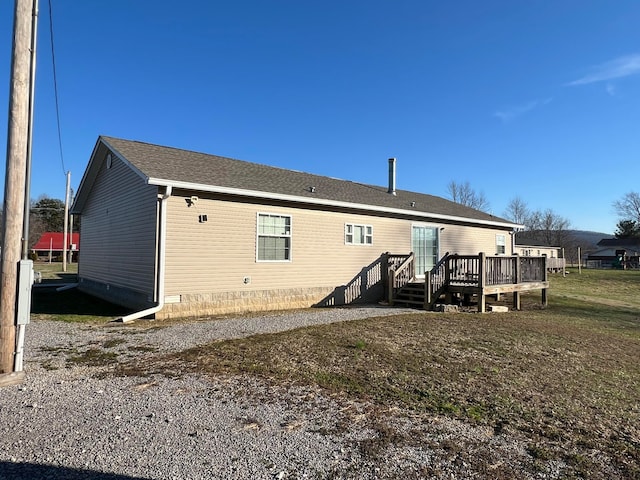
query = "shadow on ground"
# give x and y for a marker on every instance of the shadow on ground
(46, 300)
(31, 471)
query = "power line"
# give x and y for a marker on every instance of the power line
(55, 88)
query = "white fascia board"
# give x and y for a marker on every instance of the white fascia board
(320, 201)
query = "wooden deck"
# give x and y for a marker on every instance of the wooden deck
(468, 275)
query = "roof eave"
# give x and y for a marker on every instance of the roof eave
(325, 202)
(91, 173)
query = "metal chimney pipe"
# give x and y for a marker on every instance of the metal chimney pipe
(392, 176)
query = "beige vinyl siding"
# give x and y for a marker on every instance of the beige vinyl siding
(119, 221)
(218, 255)
(467, 240)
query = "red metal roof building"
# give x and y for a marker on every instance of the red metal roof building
(53, 241)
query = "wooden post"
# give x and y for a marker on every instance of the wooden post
(579, 261)
(545, 277)
(482, 274)
(518, 277)
(427, 291)
(447, 271)
(392, 281)
(15, 178)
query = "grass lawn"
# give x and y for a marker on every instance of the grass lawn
(565, 377)
(52, 272)
(68, 305)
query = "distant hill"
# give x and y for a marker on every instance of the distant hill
(587, 239)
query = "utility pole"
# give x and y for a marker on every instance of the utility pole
(15, 177)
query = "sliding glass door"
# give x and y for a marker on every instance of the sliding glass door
(424, 242)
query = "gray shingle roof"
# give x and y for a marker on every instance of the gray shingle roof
(632, 242)
(166, 165)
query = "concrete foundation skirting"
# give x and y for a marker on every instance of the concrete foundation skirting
(125, 297)
(198, 305)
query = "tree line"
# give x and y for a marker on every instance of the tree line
(547, 223)
(546, 226)
(46, 215)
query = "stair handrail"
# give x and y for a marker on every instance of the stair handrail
(403, 274)
(400, 276)
(436, 280)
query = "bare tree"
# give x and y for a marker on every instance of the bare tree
(517, 211)
(628, 207)
(550, 228)
(463, 194)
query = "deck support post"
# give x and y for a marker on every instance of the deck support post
(481, 282)
(545, 276)
(517, 273)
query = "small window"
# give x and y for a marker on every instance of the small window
(358, 234)
(274, 238)
(501, 245)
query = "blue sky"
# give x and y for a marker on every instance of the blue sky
(536, 99)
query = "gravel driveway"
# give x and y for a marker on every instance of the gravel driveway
(69, 421)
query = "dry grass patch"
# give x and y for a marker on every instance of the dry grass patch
(570, 385)
(566, 378)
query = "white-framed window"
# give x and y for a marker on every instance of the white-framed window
(501, 244)
(358, 234)
(274, 238)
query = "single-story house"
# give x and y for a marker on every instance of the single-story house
(616, 253)
(51, 244)
(172, 232)
(555, 259)
(538, 251)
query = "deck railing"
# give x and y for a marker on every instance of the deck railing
(556, 264)
(463, 269)
(533, 269)
(481, 271)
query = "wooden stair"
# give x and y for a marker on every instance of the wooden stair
(412, 295)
